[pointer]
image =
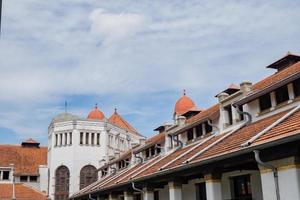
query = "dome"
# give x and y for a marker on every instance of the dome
(183, 105)
(96, 114)
(64, 117)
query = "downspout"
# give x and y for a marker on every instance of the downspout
(269, 166)
(249, 117)
(90, 197)
(137, 189)
(214, 126)
(139, 158)
(176, 139)
(114, 169)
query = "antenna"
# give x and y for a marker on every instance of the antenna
(66, 104)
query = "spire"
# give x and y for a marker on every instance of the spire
(115, 110)
(184, 92)
(96, 105)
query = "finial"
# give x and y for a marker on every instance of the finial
(96, 105)
(184, 92)
(288, 53)
(115, 110)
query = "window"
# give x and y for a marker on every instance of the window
(88, 175)
(199, 131)
(190, 134)
(208, 128)
(152, 149)
(62, 176)
(242, 187)
(23, 178)
(156, 195)
(241, 115)
(104, 172)
(147, 153)
(33, 178)
(282, 94)
(86, 138)
(265, 102)
(296, 85)
(81, 138)
(201, 191)
(56, 139)
(61, 138)
(98, 138)
(70, 139)
(66, 138)
(158, 149)
(5, 175)
(92, 138)
(228, 112)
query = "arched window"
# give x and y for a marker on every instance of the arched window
(62, 176)
(88, 175)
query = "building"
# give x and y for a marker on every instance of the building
(244, 147)
(77, 147)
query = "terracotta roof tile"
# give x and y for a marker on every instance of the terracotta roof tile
(288, 127)
(278, 76)
(234, 141)
(204, 114)
(22, 192)
(25, 159)
(119, 121)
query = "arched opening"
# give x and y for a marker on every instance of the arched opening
(62, 178)
(88, 175)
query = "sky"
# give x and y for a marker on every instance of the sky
(133, 55)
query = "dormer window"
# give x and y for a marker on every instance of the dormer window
(265, 102)
(208, 128)
(4, 175)
(190, 134)
(199, 130)
(296, 86)
(282, 94)
(104, 172)
(228, 113)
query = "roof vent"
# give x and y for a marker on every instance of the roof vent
(284, 62)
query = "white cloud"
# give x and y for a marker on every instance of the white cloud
(115, 27)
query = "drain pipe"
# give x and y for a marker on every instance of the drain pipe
(114, 169)
(137, 189)
(273, 168)
(90, 197)
(214, 126)
(176, 139)
(139, 158)
(248, 115)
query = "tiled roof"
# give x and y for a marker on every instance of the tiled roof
(204, 114)
(119, 121)
(26, 160)
(22, 192)
(288, 127)
(278, 76)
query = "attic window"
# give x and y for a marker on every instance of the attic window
(199, 130)
(228, 111)
(104, 172)
(208, 127)
(190, 134)
(282, 94)
(5, 175)
(265, 102)
(296, 85)
(33, 178)
(23, 178)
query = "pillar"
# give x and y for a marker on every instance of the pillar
(175, 191)
(112, 197)
(213, 187)
(128, 195)
(148, 194)
(291, 92)
(289, 181)
(273, 100)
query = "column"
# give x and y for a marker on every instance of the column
(289, 181)
(273, 100)
(291, 92)
(213, 187)
(203, 129)
(113, 197)
(148, 194)
(175, 191)
(194, 133)
(128, 195)
(268, 184)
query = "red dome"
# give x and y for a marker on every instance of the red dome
(96, 114)
(183, 105)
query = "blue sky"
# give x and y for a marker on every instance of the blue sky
(135, 55)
